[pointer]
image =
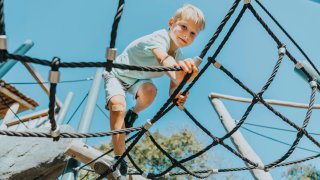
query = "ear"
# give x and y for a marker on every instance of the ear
(171, 22)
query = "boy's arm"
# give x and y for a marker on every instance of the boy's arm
(176, 77)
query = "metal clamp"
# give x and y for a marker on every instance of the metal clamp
(282, 50)
(197, 61)
(217, 65)
(54, 77)
(3, 42)
(167, 176)
(147, 125)
(55, 133)
(111, 54)
(313, 83)
(215, 171)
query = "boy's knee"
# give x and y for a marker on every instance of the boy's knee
(117, 104)
(149, 90)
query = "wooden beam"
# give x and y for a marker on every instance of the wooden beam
(39, 79)
(28, 117)
(16, 98)
(269, 101)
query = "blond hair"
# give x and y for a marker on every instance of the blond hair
(189, 11)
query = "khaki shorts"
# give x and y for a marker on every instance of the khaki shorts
(114, 86)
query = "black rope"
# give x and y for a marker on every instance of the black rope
(235, 23)
(276, 39)
(300, 133)
(220, 28)
(107, 152)
(43, 62)
(288, 35)
(52, 97)
(218, 140)
(116, 23)
(174, 162)
(2, 25)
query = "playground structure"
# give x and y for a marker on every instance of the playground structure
(307, 70)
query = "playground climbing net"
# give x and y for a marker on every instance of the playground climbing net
(55, 64)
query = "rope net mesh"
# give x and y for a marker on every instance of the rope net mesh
(170, 103)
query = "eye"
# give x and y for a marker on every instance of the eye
(193, 34)
(183, 27)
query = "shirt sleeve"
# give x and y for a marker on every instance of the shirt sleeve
(153, 42)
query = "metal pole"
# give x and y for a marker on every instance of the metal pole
(23, 49)
(64, 108)
(85, 122)
(239, 141)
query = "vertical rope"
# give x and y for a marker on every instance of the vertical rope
(52, 97)
(2, 25)
(116, 23)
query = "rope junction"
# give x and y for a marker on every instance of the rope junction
(55, 64)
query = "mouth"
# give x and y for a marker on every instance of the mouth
(184, 41)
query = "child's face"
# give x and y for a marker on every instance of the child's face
(183, 32)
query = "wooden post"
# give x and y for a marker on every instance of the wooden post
(239, 141)
(85, 153)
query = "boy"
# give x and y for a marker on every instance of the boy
(161, 48)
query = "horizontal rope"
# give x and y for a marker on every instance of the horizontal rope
(43, 62)
(69, 135)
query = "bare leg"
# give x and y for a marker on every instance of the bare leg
(117, 108)
(145, 96)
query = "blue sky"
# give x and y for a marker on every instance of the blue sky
(77, 30)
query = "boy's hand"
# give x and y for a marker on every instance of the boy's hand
(188, 66)
(181, 99)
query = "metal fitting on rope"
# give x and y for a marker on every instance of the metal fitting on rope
(282, 50)
(147, 125)
(197, 61)
(215, 171)
(217, 65)
(55, 133)
(313, 83)
(3, 42)
(167, 176)
(145, 175)
(110, 56)
(54, 75)
(247, 1)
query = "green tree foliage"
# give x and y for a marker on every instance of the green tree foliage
(150, 159)
(302, 172)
